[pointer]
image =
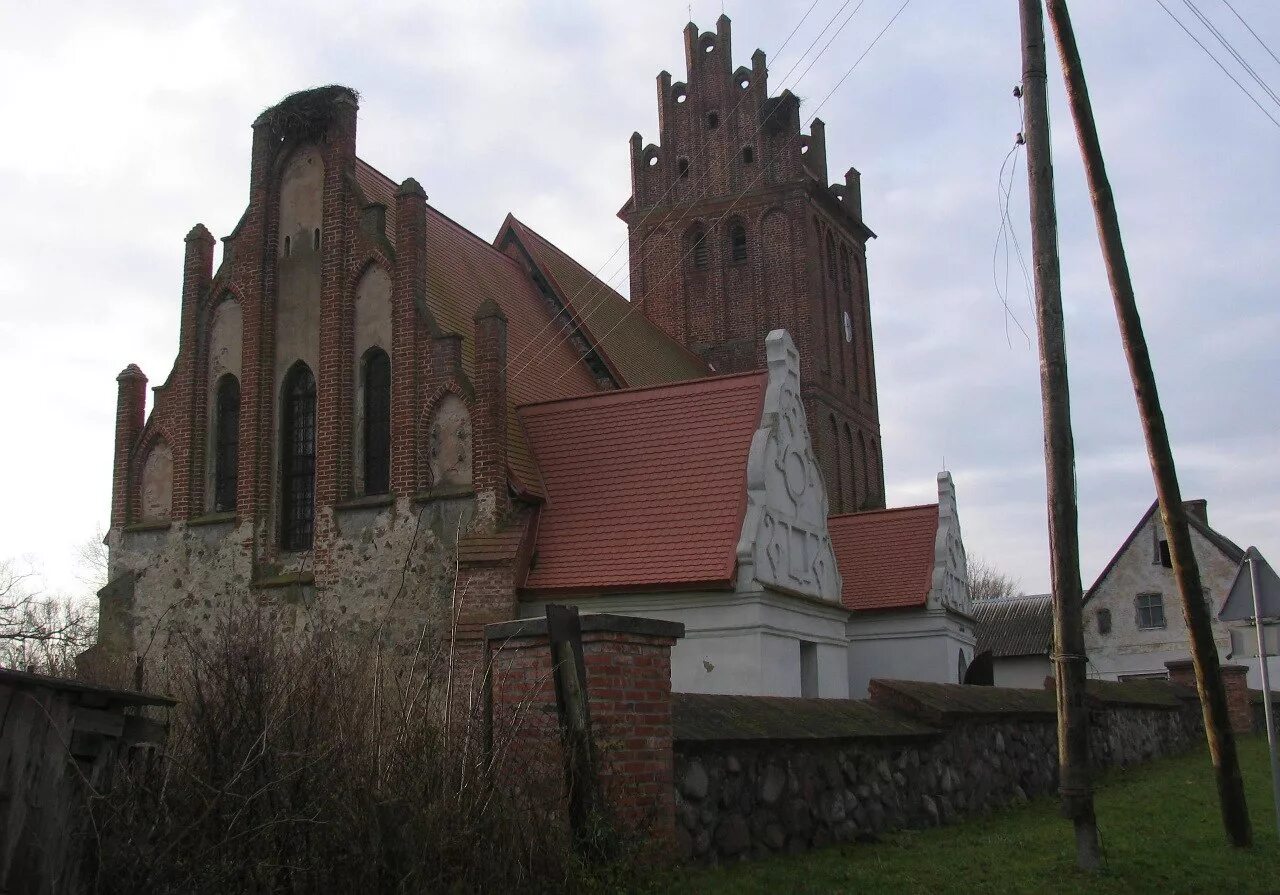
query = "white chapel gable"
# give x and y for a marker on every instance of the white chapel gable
(784, 543)
(950, 587)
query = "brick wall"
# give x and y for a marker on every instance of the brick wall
(1234, 681)
(628, 668)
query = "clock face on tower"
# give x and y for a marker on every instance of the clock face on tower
(848, 328)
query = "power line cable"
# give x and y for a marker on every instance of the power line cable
(1216, 61)
(1213, 29)
(680, 262)
(555, 341)
(1251, 31)
(566, 309)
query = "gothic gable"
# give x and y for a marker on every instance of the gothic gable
(949, 589)
(784, 543)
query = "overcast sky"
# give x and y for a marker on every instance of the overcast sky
(126, 123)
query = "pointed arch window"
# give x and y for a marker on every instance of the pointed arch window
(298, 459)
(737, 242)
(696, 248)
(845, 280)
(831, 258)
(226, 443)
(377, 422)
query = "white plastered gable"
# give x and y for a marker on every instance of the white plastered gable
(784, 544)
(950, 587)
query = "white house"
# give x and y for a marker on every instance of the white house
(1133, 620)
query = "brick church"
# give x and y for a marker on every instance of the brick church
(379, 417)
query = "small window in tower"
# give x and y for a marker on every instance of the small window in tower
(651, 157)
(696, 241)
(804, 146)
(831, 258)
(744, 83)
(748, 155)
(315, 239)
(713, 121)
(738, 243)
(286, 247)
(845, 279)
(679, 93)
(708, 44)
(683, 166)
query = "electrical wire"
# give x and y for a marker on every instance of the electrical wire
(1251, 31)
(1216, 61)
(1213, 29)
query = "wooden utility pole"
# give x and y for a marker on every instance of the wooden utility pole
(1075, 785)
(1204, 653)
(564, 635)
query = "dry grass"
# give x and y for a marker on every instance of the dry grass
(312, 764)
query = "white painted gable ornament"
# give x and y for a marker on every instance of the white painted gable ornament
(784, 543)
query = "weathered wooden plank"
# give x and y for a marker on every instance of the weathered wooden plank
(98, 721)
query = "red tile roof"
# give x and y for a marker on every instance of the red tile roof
(633, 347)
(462, 271)
(885, 556)
(646, 488)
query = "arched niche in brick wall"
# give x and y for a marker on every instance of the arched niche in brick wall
(372, 331)
(449, 443)
(157, 483)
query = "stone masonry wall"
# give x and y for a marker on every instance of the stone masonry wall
(754, 795)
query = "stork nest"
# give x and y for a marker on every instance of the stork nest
(307, 114)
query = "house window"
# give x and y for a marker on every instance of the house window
(377, 422)
(226, 443)
(1165, 559)
(1104, 621)
(298, 459)
(738, 242)
(1150, 611)
(808, 669)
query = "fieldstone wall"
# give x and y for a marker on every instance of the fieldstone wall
(779, 779)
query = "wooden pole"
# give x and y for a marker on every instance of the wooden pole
(1204, 653)
(564, 634)
(1075, 785)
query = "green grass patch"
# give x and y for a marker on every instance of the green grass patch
(1161, 832)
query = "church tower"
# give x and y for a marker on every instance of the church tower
(735, 231)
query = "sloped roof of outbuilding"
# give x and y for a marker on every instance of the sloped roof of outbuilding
(463, 271)
(645, 488)
(886, 557)
(1014, 626)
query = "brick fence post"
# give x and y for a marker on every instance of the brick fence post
(628, 663)
(1234, 679)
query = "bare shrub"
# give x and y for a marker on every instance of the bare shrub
(41, 632)
(987, 581)
(311, 763)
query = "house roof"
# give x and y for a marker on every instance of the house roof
(1014, 626)
(463, 270)
(1225, 545)
(645, 488)
(632, 345)
(886, 557)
